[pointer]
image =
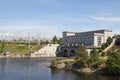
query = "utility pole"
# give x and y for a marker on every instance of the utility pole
(19, 40)
(29, 40)
(38, 39)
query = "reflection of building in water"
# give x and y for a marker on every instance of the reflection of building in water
(90, 38)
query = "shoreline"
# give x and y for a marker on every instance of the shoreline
(84, 71)
(24, 56)
(71, 67)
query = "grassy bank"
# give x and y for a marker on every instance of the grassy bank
(17, 48)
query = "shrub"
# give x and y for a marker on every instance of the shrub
(81, 57)
(94, 56)
(98, 63)
(113, 63)
(103, 54)
(54, 62)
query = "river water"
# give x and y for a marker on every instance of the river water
(37, 69)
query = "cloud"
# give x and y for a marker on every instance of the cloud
(108, 19)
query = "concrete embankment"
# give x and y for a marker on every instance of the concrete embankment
(49, 50)
(23, 56)
(14, 56)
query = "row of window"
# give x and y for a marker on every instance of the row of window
(78, 39)
(84, 40)
(99, 41)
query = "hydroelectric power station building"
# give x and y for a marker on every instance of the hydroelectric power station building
(90, 39)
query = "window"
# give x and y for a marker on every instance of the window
(99, 41)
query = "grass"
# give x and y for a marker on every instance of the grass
(68, 60)
(20, 48)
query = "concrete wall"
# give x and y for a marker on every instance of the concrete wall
(49, 50)
(106, 35)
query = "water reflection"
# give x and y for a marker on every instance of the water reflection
(70, 75)
(36, 69)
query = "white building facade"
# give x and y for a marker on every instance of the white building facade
(89, 38)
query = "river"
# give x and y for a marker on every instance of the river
(37, 69)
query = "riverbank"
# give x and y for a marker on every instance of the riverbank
(14, 55)
(69, 64)
(24, 56)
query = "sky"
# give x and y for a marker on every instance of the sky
(52, 17)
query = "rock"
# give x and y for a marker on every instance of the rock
(60, 65)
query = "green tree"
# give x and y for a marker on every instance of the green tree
(47, 42)
(2, 47)
(94, 56)
(54, 40)
(103, 54)
(113, 63)
(103, 46)
(82, 56)
(109, 41)
(99, 50)
(116, 36)
(60, 41)
(94, 59)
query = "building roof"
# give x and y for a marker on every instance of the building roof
(90, 31)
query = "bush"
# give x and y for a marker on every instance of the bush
(100, 50)
(103, 54)
(94, 56)
(82, 63)
(98, 63)
(2, 47)
(54, 62)
(81, 57)
(103, 46)
(108, 42)
(113, 63)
